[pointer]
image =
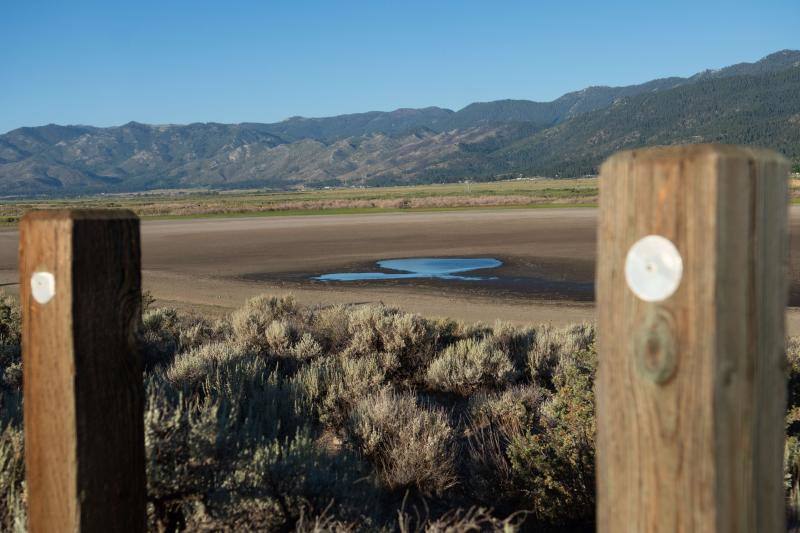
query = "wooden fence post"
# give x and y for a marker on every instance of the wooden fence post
(83, 395)
(691, 382)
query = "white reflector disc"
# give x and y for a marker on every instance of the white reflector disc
(43, 287)
(653, 268)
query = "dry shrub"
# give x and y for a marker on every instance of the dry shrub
(251, 322)
(514, 341)
(10, 365)
(332, 386)
(182, 459)
(236, 410)
(13, 515)
(197, 332)
(10, 321)
(513, 409)
(495, 421)
(279, 337)
(792, 443)
(10, 335)
(160, 336)
(469, 365)
(411, 445)
(463, 330)
(307, 348)
(194, 366)
(11, 376)
(285, 418)
(553, 464)
(165, 333)
(239, 455)
(297, 477)
(329, 326)
(551, 346)
(489, 473)
(375, 329)
(323, 523)
(474, 519)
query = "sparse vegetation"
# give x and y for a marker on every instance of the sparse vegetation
(510, 194)
(284, 417)
(497, 194)
(12, 464)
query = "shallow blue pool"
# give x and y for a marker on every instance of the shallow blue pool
(421, 267)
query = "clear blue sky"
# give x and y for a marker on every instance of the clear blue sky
(106, 63)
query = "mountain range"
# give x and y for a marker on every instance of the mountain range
(748, 103)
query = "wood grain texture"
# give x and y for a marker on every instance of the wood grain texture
(702, 450)
(83, 408)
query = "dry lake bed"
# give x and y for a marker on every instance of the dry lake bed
(537, 265)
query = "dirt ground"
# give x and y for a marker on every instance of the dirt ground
(213, 265)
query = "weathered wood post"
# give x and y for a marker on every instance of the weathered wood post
(83, 399)
(691, 384)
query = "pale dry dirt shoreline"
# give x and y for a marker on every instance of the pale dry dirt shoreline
(214, 265)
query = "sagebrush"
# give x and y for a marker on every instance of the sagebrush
(284, 417)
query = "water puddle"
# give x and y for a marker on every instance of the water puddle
(423, 267)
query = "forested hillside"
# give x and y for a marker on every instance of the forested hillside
(752, 110)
